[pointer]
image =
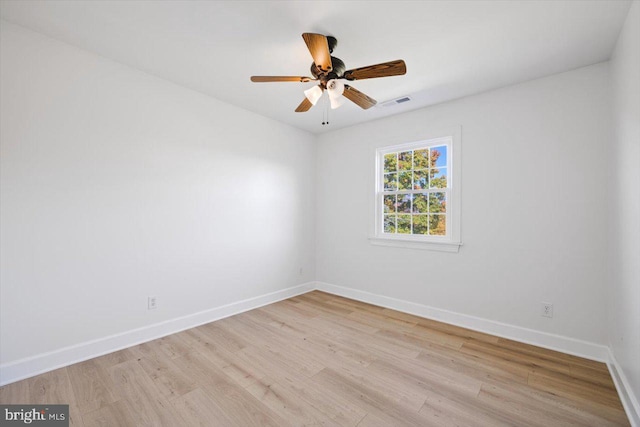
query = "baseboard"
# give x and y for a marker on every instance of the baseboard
(628, 398)
(560, 343)
(31, 366)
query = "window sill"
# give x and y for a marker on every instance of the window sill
(415, 244)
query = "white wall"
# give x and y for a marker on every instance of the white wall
(117, 185)
(623, 285)
(534, 207)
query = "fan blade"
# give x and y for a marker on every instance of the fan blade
(363, 101)
(386, 69)
(319, 48)
(264, 79)
(305, 105)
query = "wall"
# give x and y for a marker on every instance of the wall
(623, 284)
(534, 207)
(117, 185)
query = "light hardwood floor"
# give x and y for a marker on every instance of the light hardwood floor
(319, 359)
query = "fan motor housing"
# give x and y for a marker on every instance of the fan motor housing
(338, 69)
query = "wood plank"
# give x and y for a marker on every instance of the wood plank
(171, 346)
(433, 325)
(414, 374)
(117, 357)
(145, 403)
(240, 370)
(502, 355)
(552, 355)
(608, 408)
(224, 337)
(380, 321)
(286, 403)
(578, 387)
(380, 406)
(275, 343)
(15, 393)
(440, 410)
(295, 307)
(92, 385)
(117, 414)
(197, 409)
(55, 387)
(514, 397)
(170, 381)
(344, 413)
(321, 305)
(596, 376)
(472, 367)
(234, 401)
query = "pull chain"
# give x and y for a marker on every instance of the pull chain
(325, 111)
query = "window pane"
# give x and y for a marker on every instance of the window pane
(437, 225)
(389, 223)
(414, 191)
(437, 203)
(420, 180)
(439, 156)
(438, 178)
(390, 162)
(390, 181)
(405, 180)
(404, 224)
(420, 203)
(421, 159)
(420, 224)
(404, 203)
(389, 203)
(404, 160)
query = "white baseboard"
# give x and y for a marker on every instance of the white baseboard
(31, 366)
(628, 398)
(576, 347)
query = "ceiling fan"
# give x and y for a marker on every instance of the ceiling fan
(331, 74)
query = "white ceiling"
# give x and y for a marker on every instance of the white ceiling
(452, 48)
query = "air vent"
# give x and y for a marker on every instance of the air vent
(395, 102)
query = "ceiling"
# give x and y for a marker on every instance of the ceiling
(452, 48)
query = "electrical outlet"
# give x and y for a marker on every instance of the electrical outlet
(547, 309)
(152, 303)
(300, 271)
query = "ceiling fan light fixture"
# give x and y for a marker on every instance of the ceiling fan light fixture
(313, 94)
(325, 67)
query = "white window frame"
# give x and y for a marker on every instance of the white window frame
(450, 242)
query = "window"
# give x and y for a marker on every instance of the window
(417, 194)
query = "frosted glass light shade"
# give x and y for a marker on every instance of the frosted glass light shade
(313, 94)
(335, 88)
(336, 101)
